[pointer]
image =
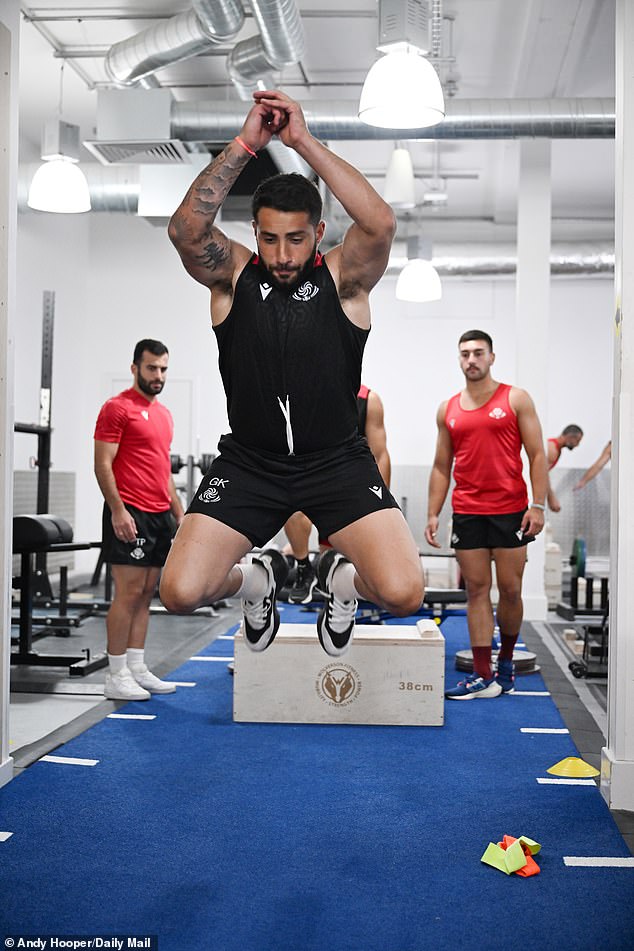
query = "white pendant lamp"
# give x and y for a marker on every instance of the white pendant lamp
(59, 185)
(400, 191)
(402, 91)
(419, 281)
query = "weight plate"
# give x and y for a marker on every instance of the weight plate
(524, 661)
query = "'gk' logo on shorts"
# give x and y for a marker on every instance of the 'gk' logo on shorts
(211, 493)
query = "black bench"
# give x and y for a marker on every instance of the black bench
(34, 534)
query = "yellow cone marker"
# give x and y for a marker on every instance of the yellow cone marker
(573, 766)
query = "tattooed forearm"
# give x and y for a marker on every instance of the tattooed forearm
(191, 227)
(212, 186)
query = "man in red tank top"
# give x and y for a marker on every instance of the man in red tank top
(569, 438)
(481, 432)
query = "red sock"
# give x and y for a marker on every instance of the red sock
(507, 646)
(482, 662)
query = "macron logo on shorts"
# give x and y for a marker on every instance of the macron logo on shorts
(520, 534)
(377, 489)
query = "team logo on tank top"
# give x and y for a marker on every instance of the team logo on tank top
(306, 292)
(497, 413)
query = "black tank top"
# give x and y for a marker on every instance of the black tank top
(290, 363)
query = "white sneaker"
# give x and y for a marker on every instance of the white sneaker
(261, 618)
(148, 681)
(123, 686)
(335, 621)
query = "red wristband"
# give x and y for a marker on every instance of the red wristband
(246, 147)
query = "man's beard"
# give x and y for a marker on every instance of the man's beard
(150, 388)
(301, 274)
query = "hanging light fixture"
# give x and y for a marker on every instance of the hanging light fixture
(418, 281)
(436, 194)
(59, 185)
(402, 89)
(399, 191)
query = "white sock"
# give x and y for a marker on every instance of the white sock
(254, 582)
(343, 582)
(117, 662)
(135, 657)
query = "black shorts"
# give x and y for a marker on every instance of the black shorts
(489, 531)
(255, 492)
(155, 531)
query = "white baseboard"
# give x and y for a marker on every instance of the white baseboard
(617, 781)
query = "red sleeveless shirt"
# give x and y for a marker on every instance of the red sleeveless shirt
(487, 456)
(554, 441)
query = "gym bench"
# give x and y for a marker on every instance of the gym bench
(35, 534)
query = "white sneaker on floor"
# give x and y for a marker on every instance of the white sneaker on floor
(123, 686)
(148, 681)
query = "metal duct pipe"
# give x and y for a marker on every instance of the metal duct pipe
(279, 44)
(465, 119)
(180, 37)
(563, 263)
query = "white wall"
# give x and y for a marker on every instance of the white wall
(117, 279)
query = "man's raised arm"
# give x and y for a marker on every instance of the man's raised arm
(206, 252)
(366, 247)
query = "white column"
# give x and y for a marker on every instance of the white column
(617, 760)
(9, 41)
(532, 315)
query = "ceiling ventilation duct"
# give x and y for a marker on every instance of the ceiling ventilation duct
(181, 37)
(279, 44)
(134, 128)
(464, 119)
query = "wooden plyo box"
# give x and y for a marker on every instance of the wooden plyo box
(391, 674)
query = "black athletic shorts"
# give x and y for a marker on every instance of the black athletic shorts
(489, 531)
(155, 531)
(255, 492)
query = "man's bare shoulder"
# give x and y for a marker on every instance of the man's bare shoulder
(441, 412)
(520, 399)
